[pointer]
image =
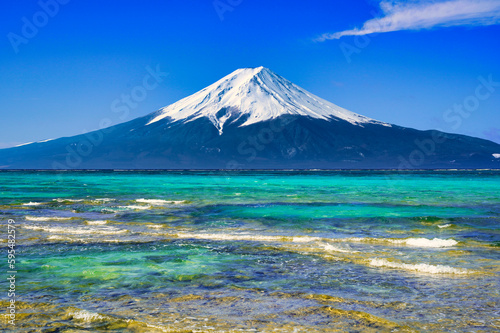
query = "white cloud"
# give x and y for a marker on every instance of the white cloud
(427, 14)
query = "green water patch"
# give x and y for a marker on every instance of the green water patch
(189, 260)
(473, 188)
(142, 268)
(323, 211)
(130, 264)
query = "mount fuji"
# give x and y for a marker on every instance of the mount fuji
(255, 119)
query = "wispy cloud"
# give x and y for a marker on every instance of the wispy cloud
(426, 14)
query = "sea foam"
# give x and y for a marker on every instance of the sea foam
(69, 200)
(331, 248)
(103, 199)
(86, 315)
(413, 242)
(136, 207)
(419, 268)
(97, 222)
(154, 226)
(78, 230)
(424, 242)
(46, 218)
(250, 237)
(159, 202)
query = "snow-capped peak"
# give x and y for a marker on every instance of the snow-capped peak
(258, 93)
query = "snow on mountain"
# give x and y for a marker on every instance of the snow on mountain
(29, 143)
(24, 144)
(258, 94)
(319, 135)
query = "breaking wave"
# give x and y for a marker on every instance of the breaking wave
(419, 268)
(159, 202)
(78, 230)
(249, 237)
(413, 242)
(46, 218)
(69, 200)
(33, 203)
(97, 222)
(424, 242)
(135, 207)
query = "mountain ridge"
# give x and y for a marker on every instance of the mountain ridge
(255, 119)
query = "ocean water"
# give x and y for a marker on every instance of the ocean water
(315, 251)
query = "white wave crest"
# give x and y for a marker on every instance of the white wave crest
(441, 226)
(46, 218)
(33, 203)
(63, 238)
(97, 222)
(159, 202)
(78, 230)
(413, 242)
(249, 237)
(136, 207)
(155, 226)
(419, 268)
(304, 239)
(331, 248)
(73, 239)
(70, 200)
(424, 242)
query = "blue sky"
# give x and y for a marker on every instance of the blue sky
(406, 63)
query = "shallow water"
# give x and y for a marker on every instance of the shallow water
(253, 251)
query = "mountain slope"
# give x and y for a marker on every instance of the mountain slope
(255, 119)
(257, 94)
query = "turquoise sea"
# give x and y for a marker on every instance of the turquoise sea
(242, 251)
